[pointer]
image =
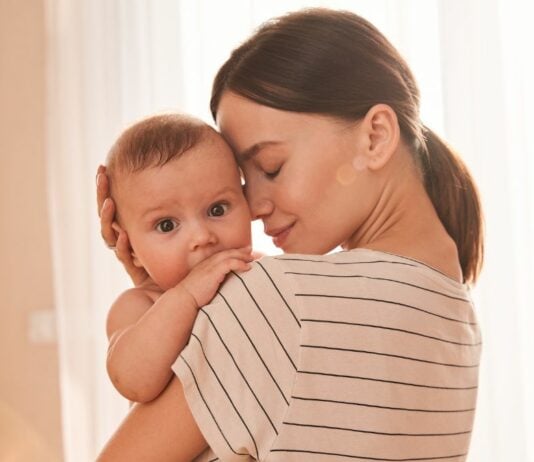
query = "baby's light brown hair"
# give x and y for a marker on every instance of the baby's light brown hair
(153, 142)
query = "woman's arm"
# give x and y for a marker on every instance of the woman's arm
(163, 430)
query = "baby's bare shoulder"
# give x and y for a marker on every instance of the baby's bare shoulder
(128, 308)
(141, 295)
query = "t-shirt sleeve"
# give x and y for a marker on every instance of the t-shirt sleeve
(239, 366)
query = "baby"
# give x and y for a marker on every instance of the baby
(179, 201)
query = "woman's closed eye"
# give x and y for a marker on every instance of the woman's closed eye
(218, 210)
(166, 226)
(272, 173)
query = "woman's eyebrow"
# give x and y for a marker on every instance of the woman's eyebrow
(248, 153)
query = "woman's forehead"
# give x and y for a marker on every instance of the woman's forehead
(249, 126)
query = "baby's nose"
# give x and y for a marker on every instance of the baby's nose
(202, 235)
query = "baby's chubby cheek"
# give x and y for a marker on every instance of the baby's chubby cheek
(169, 276)
(196, 258)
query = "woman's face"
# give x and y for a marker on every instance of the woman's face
(301, 177)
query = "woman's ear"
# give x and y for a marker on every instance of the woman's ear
(381, 132)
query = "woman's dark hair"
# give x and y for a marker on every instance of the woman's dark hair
(338, 64)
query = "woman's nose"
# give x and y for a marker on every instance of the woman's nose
(258, 199)
(260, 206)
(202, 235)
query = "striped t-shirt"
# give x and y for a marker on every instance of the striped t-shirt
(357, 355)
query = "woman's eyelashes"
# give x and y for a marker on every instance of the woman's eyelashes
(272, 174)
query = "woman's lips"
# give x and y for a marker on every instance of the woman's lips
(280, 235)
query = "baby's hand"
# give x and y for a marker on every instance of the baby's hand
(205, 278)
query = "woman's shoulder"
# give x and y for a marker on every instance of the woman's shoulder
(341, 257)
(370, 264)
(345, 261)
(285, 271)
(265, 288)
(278, 271)
(290, 273)
(342, 261)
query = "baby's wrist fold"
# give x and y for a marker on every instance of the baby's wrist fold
(184, 290)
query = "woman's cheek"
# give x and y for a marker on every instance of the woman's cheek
(303, 187)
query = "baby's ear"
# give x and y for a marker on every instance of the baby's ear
(124, 247)
(135, 260)
(115, 226)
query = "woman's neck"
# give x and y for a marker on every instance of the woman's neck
(404, 222)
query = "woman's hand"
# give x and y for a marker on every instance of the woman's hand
(115, 238)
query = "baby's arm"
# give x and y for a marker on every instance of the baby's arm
(146, 338)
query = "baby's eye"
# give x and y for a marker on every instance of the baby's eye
(166, 226)
(217, 210)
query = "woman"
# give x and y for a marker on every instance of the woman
(370, 353)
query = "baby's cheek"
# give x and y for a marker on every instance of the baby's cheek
(170, 275)
(245, 234)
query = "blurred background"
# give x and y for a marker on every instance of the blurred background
(74, 73)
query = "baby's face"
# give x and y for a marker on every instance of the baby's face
(185, 211)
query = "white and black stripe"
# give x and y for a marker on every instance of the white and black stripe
(304, 358)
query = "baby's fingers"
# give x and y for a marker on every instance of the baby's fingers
(236, 264)
(244, 254)
(232, 264)
(203, 282)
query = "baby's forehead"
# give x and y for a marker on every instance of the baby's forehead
(216, 139)
(211, 158)
(213, 143)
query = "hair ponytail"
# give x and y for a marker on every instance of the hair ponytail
(455, 198)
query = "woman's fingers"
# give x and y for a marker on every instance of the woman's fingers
(124, 255)
(107, 215)
(105, 207)
(113, 236)
(122, 248)
(102, 187)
